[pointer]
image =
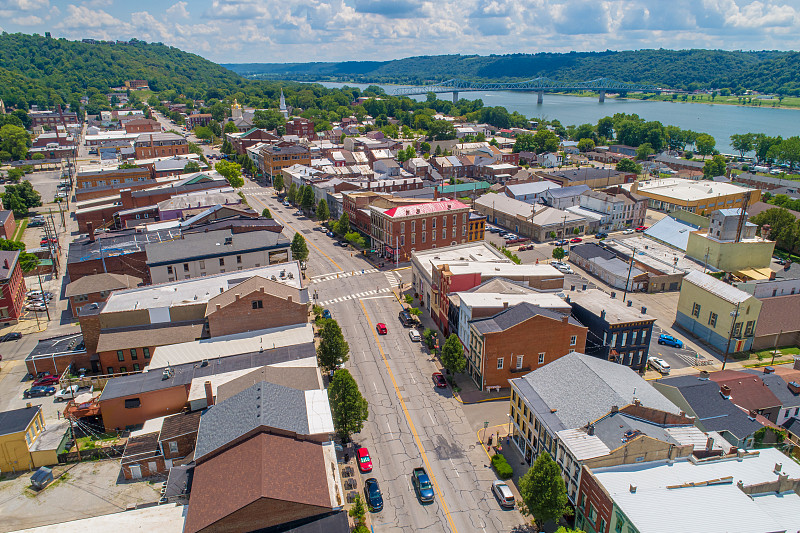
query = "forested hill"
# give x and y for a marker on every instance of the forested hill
(36, 69)
(768, 71)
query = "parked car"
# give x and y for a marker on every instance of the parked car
(422, 485)
(575, 239)
(364, 460)
(600, 235)
(562, 242)
(503, 494)
(658, 364)
(439, 381)
(414, 335)
(13, 336)
(627, 231)
(641, 229)
(66, 394)
(46, 381)
(330, 234)
(381, 328)
(35, 223)
(37, 391)
(326, 313)
(562, 267)
(407, 318)
(669, 340)
(373, 495)
(35, 307)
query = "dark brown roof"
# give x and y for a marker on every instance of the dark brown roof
(778, 314)
(747, 390)
(255, 474)
(296, 377)
(101, 282)
(140, 447)
(760, 207)
(180, 424)
(149, 335)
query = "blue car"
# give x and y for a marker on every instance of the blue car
(373, 494)
(669, 340)
(326, 313)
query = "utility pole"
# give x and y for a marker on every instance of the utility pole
(628, 280)
(44, 299)
(735, 315)
(775, 348)
(74, 437)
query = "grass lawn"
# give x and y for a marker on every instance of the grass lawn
(21, 225)
(784, 176)
(784, 354)
(102, 440)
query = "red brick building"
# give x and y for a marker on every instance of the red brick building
(142, 125)
(96, 288)
(301, 127)
(51, 118)
(149, 145)
(518, 340)
(242, 141)
(12, 287)
(594, 503)
(198, 119)
(7, 224)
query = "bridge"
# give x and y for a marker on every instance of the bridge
(539, 85)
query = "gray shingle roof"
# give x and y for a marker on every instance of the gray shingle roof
(263, 404)
(565, 192)
(514, 315)
(578, 388)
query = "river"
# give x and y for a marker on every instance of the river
(719, 121)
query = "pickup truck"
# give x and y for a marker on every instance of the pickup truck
(422, 484)
(71, 392)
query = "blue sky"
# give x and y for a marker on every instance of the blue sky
(280, 31)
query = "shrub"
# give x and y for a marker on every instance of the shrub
(501, 466)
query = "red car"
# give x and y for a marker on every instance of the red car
(439, 381)
(364, 460)
(46, 381)
(641, 229)
(576, 239)
(381, 328)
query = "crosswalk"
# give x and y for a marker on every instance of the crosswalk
(694, 361)
(342, 274)
(393, 278)
(354, 296)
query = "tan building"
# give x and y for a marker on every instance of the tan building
(274, 158)
(701, 197)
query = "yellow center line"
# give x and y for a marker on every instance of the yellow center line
(307, 240)
(410, 423)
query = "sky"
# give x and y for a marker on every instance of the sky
(282, 31)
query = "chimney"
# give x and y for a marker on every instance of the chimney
(630, 303)
(590, 429)
(797, 363)
(633, 488)
(613, 295)
(704, 375)
(637, 401)
(5, 264)
(565, 319)
(740, 454)
(778, 467)
(709, 444)
(237, 296)
(794, 387)
(209, 394)
(752, 414)
(90, 229)
(505, 305)
(644, 309)
(289, 298)
(603, 314)
(615, 408)
(725, 391)
(769, 370)
(219, 306)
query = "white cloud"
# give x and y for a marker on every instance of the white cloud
(24, 5)
(178, 9)
(30, 20)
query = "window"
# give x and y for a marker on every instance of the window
(258, 304)
(433, 235)
(748, 330)
(146, 352)
(222, 261)
(238, 259)
(737, 329)
(413, 226)
(173, 447)
(110, 370)
(402, 240)
(463, 218)
(202, 264)
(423, 236)
(123, 369)
(455, 220)
(423, 225)
(712, 319)
(134, 357)
(169, 270)
(696, 310)
(186, 267)
(135, 367)
(614, 339)
(132, 403)
(413, 238)
(120, 355)
(519, 361)
(444, 221)
(499, 363)
(433, 224)
(463, 230)
(624, 337)
(573, 340)
(444, 233)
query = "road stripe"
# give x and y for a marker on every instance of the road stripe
(410, 423)
(307, 240)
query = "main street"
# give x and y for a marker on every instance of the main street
(411, 423)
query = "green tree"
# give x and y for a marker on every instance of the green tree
(558, 253)
(265, 213)
(15, 140)
(299, 248)
(788, 151)
(307, 201)
(585, 145)
(543, 493)
(270, 119)
(37, 156)
(342, 225)
(705, 144)
(628, 165)
(27, 262)
(277, 183)
(291, 194)
(453, 355)
(349, 408)
(230, 127)
(21, 198)
(644, 151)
(425, 147)
(192, 166)
(323, 213)
(230, 171)
(605, 127)
(203, 132)
(357, 511)
(715, 166)
(333, 350)
(743, 142)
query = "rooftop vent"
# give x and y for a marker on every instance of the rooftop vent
(704, 375)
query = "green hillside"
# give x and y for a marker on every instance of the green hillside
(680, 69)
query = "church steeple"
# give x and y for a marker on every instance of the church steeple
(284, 111)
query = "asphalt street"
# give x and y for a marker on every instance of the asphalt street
(411, 422)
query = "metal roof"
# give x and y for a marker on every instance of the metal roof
(718, 288)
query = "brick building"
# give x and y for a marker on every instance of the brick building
(52, 118)
(12, 287)
(198, 119)
(160, 445)
(274, 158)
(302, 127)
(142, 125)
(136, 84)
(96, 289)
(519, 339)
(7, 224)
(243, 140)
(149, 145)
(94, 183)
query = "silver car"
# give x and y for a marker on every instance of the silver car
(503, 494)
(414, 335)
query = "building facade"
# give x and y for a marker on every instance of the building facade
(150, 145)
(12, 285)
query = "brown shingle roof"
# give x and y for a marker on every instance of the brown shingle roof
(301, 378)
(180, 424)
(124, 338)
(263, 467)
(747, 390)
(140, 447)
(778, 314)
(101, 282)
(254, 284)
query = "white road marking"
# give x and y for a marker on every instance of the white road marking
(455, 470)
(389, 429)
(431, 417)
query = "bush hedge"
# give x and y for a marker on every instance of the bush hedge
(501, 466)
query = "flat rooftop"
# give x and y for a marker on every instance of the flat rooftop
(547, 300)
(656, 255)
(197, 290)
(168, 518)
(616, 311)
(505, 270)
(688, 190)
